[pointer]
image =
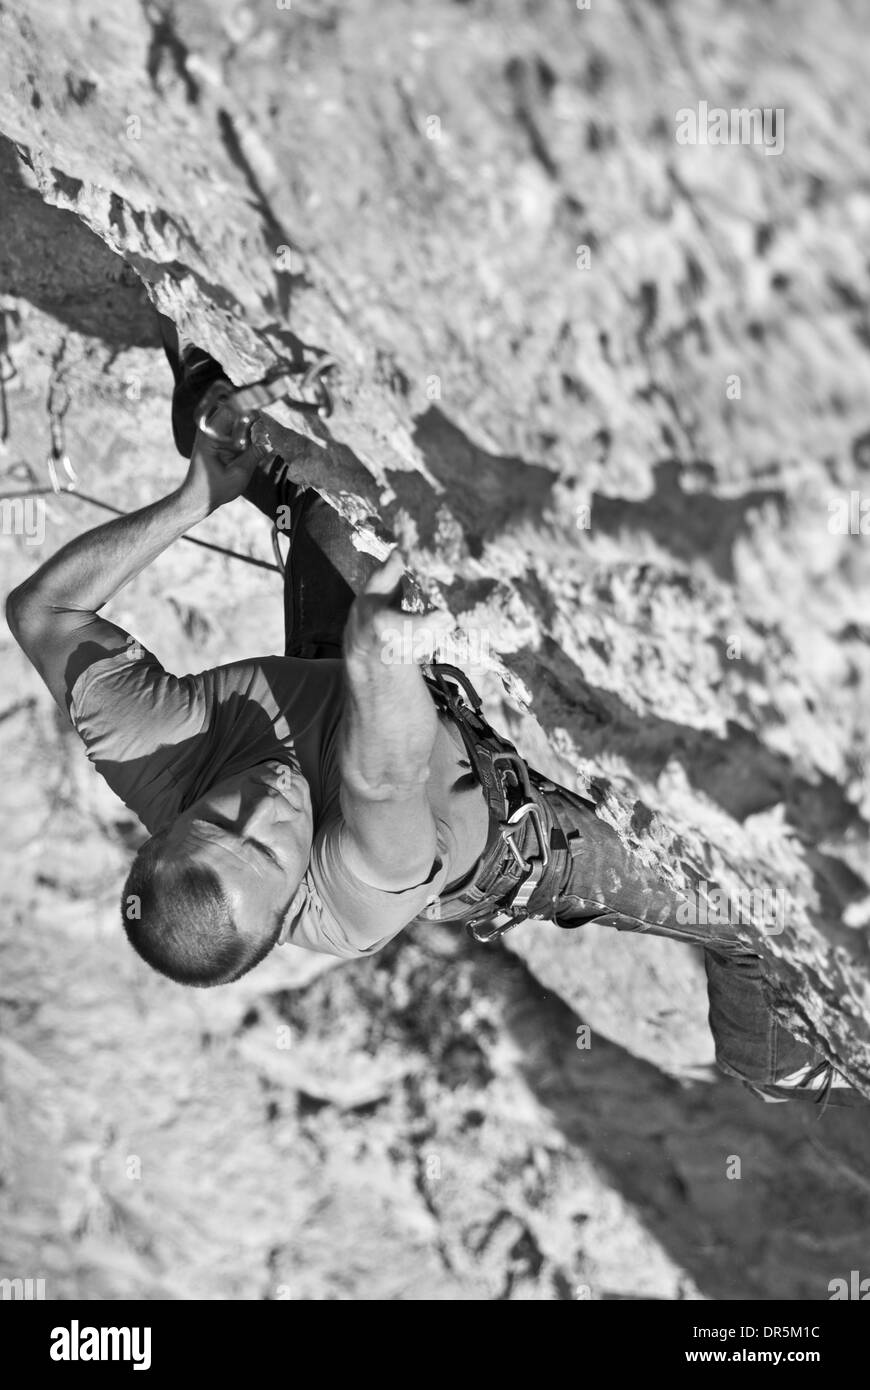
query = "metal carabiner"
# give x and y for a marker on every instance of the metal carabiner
(509, 828)
(52, 461)
(498, 923)
(315, 380)
(237, 424)
(244, 402)
(58, 405)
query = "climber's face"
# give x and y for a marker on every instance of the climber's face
(254, 832)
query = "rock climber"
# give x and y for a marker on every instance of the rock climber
(333, 795)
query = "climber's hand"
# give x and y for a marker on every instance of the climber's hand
(379, 630)
(219, 471)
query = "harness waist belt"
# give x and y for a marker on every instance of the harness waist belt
(517, 860)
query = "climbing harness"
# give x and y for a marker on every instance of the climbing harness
(506, 877)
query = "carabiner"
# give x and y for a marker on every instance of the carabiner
(245, 401)
(63, 459)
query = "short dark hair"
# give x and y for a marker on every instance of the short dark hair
(178, 918)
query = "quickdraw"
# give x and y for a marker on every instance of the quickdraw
(58, 405)
(230, 415)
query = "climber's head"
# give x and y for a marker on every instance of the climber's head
(205, 899)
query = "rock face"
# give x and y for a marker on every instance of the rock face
(608, 391)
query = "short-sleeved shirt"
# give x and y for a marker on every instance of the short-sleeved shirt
(161, 741)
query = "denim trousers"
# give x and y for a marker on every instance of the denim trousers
(604, 882)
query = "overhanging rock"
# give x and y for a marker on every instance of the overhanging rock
(639, 555)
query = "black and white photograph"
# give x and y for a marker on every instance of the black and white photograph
(435, 709)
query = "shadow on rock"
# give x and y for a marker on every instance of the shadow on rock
(753, 1200)
(690, 525)
(49, 257)
(738, 771)
(486, 491)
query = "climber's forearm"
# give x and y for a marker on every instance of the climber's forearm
(90, 570)
(85, 574)
(53, 616)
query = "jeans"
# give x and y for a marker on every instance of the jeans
(603, 882)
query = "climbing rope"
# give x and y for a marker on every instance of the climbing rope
(16, 471)
(238, 409)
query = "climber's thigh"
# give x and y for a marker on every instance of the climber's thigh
(609, 881)
(605, 879)
(322, 575)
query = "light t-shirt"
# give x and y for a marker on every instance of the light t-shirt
(161, 741)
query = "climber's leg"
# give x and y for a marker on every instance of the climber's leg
(323, 569)
(195, 371)
(605, 882)
(752, 1045)
(323, 574)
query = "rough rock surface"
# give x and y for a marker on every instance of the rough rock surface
(645, 561)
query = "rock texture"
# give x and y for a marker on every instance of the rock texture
(540, 304)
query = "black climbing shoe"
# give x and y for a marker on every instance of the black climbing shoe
(194, 372)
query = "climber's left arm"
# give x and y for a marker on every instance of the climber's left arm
(387, 735)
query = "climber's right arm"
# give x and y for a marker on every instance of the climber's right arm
(54, 615)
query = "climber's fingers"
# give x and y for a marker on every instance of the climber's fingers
(387, 578)
(220, 470)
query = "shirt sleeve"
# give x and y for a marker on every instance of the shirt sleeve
(337, 913)
(142, 729)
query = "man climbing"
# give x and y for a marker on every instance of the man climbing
(334, 795)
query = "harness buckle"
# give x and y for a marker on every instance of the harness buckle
(485, 930)
(498, 924)
(464, 703)
(441, 672)
(528, 811)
